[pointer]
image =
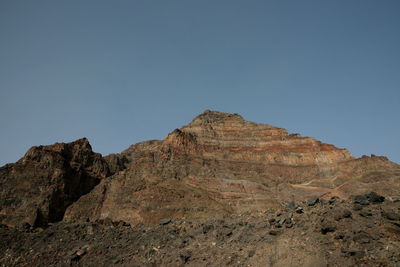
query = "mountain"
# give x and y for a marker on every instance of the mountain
(218, 166)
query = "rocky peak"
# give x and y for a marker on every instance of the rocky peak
(41, 185)
(231, 122)
(226, 129)
(76, 150)
(217, 164)
(218, 180)
(213, 117)
(243, 140)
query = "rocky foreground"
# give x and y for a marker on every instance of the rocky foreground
(218, 191)
(363, 231)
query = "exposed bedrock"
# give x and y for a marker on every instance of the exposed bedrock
(216, 165)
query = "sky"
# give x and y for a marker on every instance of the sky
(121, 72)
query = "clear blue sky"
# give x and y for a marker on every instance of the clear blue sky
(120, 72)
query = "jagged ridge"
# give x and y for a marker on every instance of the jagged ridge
(217, 164)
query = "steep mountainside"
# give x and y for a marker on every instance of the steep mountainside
(205, 182)
(39, 187)
(221, 164)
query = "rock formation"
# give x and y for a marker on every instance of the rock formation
(210, 173)
(220, 164)
(39, 187)
(217, 164)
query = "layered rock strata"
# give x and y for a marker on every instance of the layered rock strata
(216, 165)
(221, 164)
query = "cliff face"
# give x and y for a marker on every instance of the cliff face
(218, 191)
(40, 186)
(228, 136)
(221, 164)
(217, 164)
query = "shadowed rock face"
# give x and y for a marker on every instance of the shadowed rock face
(216, 165)
(218, 191)
(40, 186)
(221, 164)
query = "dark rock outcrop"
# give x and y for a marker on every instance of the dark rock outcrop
(218, 191)
(221, 164)
(40, 186)
(216, 165)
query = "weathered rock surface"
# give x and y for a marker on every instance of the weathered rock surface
(221, 164)
(216, 165)
(218, 191)
(278, 237)
(40, 186)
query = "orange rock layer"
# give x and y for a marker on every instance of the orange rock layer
(221, 163)
(217, 164)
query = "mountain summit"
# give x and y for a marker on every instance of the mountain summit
(216, 167)
(217, 164)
